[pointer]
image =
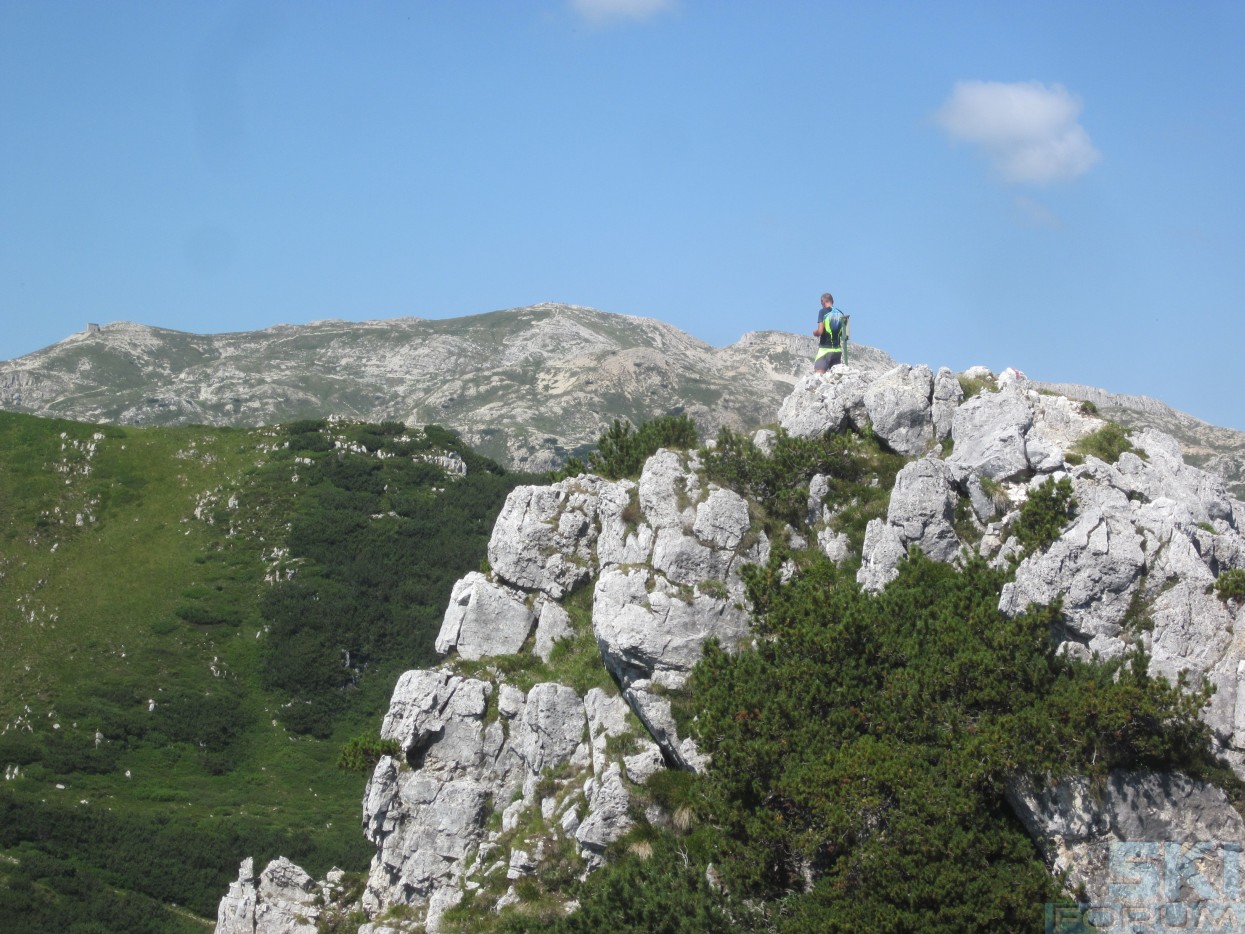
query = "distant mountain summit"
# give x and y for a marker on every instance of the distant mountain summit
(527, 386)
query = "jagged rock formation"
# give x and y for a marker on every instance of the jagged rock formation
(496, 775)
(283, 898)
(526, 386)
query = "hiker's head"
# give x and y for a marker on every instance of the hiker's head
(827, 299)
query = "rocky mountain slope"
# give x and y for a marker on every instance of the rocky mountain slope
(506, 761)
(526, 386)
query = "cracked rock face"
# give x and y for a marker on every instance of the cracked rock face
(989, 432)
(1093, 565)
(899, 405)
(921, 512)
(485, 618)
(663, 553)
(1138, 825)
(426, 810)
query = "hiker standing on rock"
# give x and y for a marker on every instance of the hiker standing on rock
(832, 329)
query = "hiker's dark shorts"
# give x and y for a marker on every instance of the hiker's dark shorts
(823, 363)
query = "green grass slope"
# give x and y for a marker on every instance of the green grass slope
(194, 622)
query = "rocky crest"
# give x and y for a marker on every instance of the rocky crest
(527, 386)
(1219, 451)
(497, 776)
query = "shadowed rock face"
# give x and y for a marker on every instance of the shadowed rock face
(482, 757)
(1143, 840)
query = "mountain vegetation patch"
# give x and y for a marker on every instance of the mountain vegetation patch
(197, 621)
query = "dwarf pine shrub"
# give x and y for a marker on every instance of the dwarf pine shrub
(860, 753)
(859, 472)
(362, 752)
(1231, 585)
(1044, 514)
(1106, 444)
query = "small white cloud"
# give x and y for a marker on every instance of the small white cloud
(601, 11)
(1028, 131)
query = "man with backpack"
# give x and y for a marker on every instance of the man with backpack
(832, 329)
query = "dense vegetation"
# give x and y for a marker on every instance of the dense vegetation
(1044, 514)
(862, 749)
(196, 621)
(380, 536)
(860, 757)
(1230, 585)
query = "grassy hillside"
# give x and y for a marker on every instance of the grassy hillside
(195, 621)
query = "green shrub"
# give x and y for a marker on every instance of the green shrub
(621, 451)
(972, 385)
(663, 891)
(860, 476)
(1231, 585)
(964, 522)
(861, 752)
(362, 752)
(1044, 514)
(1106, 444)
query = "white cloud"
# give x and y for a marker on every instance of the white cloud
(1028, 131)
(600, 11)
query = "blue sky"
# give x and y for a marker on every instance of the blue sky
(1055, 186)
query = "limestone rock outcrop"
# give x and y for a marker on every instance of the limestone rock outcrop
(493, 776)
(283, 899)
(1137, 562)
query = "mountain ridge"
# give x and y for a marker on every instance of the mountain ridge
(527, 386)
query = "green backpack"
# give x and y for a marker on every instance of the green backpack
(835, 324)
